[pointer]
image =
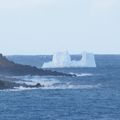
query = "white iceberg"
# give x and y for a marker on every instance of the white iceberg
(59, 60)
(63, 60)
(87, 60)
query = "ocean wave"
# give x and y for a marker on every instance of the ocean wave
(72, 86)
(42, 81)
(21, 88)
(52, 83)
(58, 86)
(82, 74)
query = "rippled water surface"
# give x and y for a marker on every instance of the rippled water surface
(93, 95)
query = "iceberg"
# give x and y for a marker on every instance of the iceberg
(59, 60)
(87, 60)
(63, 60)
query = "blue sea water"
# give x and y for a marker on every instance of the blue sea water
(93, 95)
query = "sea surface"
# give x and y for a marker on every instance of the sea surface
(93, 95)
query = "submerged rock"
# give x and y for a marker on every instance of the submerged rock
(38, 85)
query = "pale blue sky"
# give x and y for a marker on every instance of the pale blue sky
(46, 26)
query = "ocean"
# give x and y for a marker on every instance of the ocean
(93, 95)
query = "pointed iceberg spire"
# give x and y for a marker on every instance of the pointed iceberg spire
(61, 59)
(87, 60)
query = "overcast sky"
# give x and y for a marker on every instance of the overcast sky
(46, 26)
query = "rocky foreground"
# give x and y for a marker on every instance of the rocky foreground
(9, 68)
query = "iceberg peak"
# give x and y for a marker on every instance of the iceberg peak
(87, 60)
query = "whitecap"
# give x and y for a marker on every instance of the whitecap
(72, 86)
(81, 74)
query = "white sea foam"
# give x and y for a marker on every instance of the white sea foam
(52, 83)
(59, 86)
(81, 74)
(53, 87)
(70, 86)
(21, 88)
(33, 80)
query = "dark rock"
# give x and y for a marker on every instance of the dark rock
(5, 84)
(38, 85)
(10, 68)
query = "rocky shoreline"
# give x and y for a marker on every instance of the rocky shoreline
(9, 68)
(12, 83)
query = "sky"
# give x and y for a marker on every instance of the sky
(48, 26)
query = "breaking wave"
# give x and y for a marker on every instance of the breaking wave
(82, 74)
(72, 86)
(53, 87)
(52, 83)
